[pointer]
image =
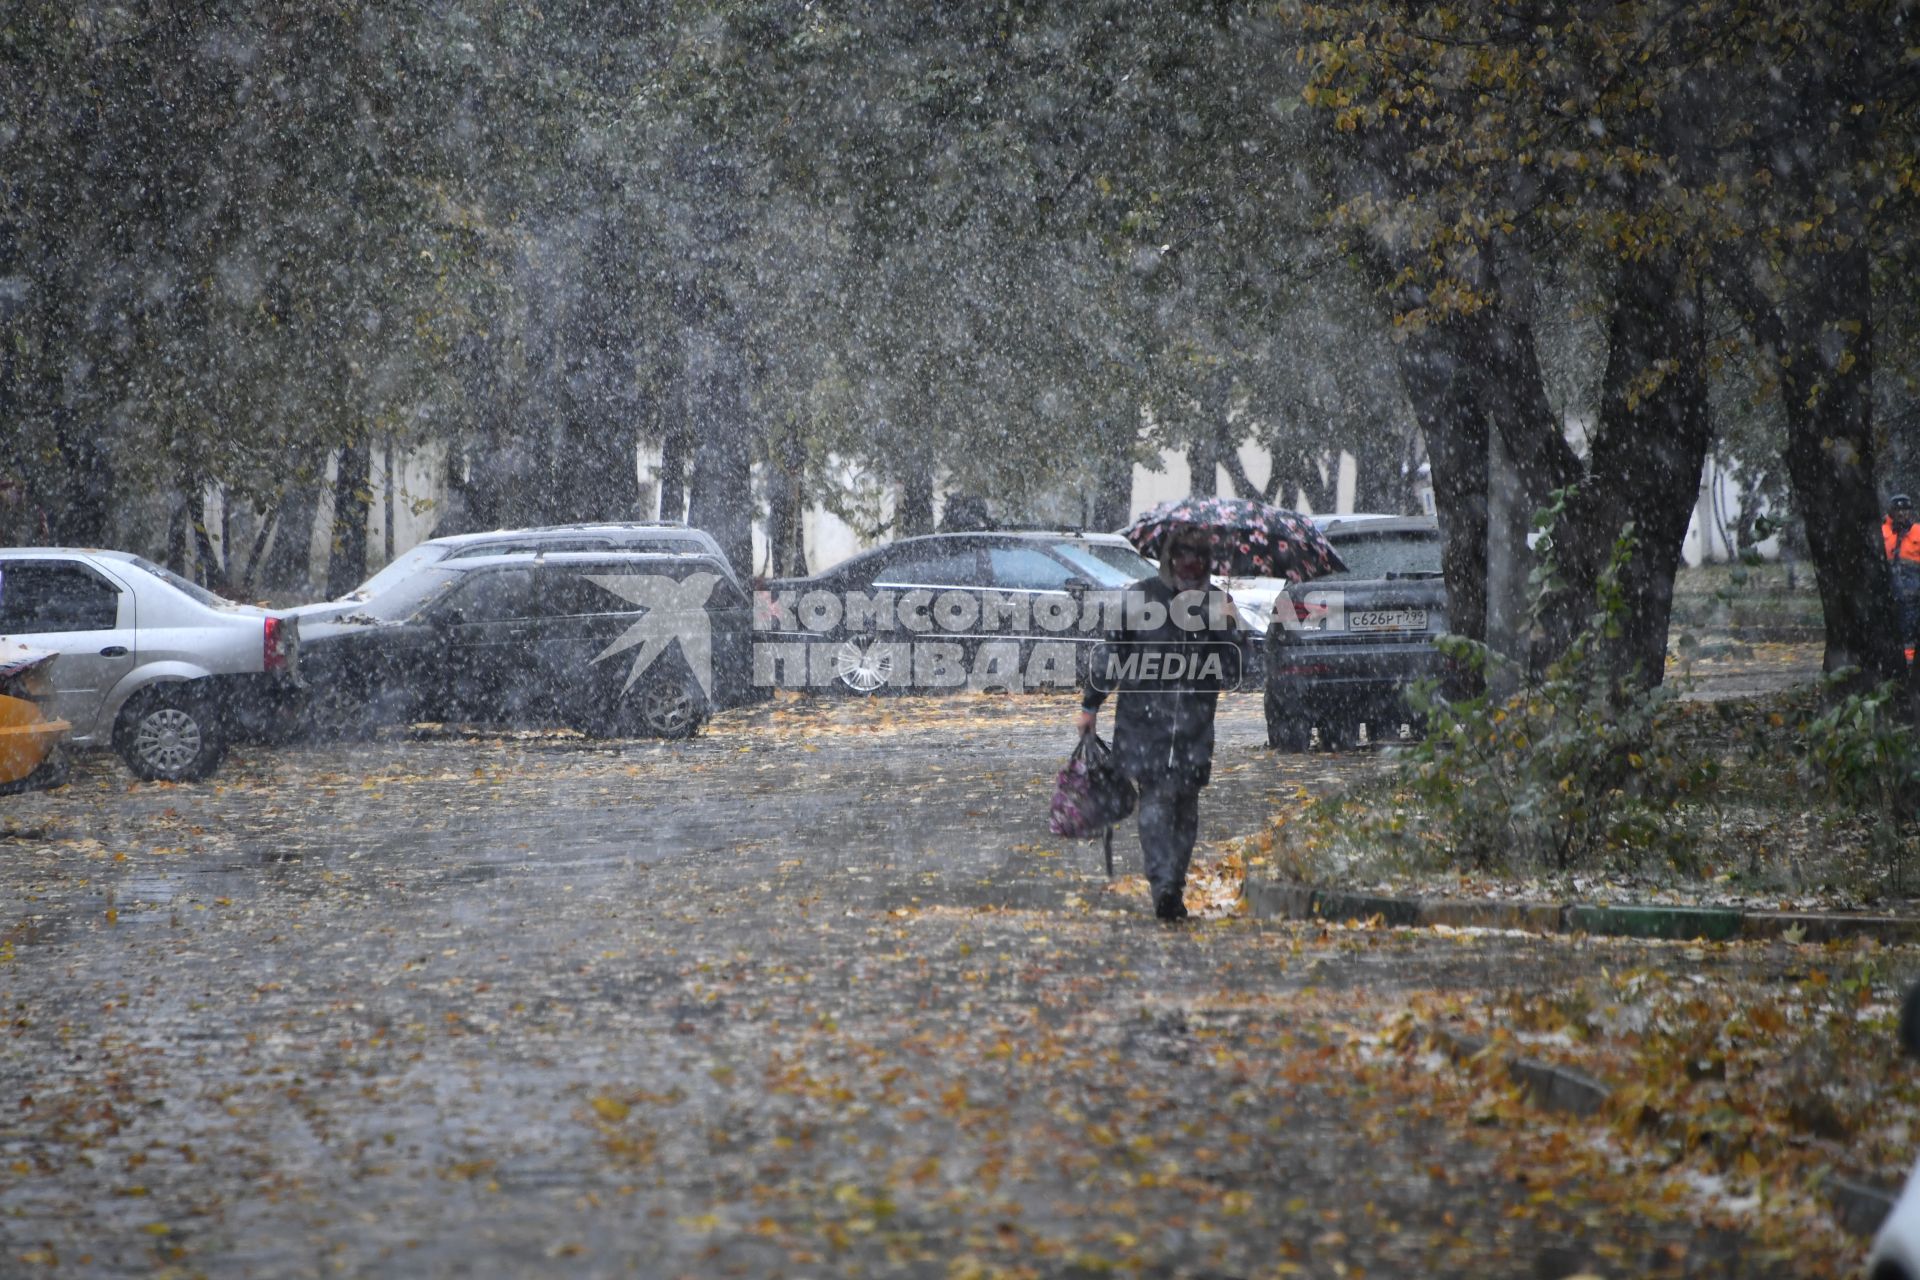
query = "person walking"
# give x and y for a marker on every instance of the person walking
(1902, 538)
(1167, 662)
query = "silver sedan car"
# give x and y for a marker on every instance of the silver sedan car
(151, 664)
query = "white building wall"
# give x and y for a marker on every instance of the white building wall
(1174, 479)
(420, 474)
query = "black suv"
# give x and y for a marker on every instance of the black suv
(664, 537)
(611, 643)
(996, 609)
(1342, 649)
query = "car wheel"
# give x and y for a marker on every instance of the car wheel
(670, 708)
(1287, 732)
(863, 666)
(333, 714)
(170, 734)
(1339, 735)
(1287, 728)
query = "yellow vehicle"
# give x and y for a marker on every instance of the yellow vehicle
(30, 756)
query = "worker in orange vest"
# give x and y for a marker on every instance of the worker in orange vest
(1902, 537)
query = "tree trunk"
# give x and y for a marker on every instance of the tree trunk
(1377, 481)
(503, 484)
(248, 583)
(1514, 392)
(1441, 391)
(1113, 482)
(786, 528)
(596, 473)
(178, 538)
(676, 450)
(79, 513)
(1243, 485)
(1827, 381)
(1203, 463)
(288, 565)
(1296, 477)
(1821, 340)
(915, 513)
(347, 561)
(720, 494)
(391, 499)
(1528, 459)
(213, 573)
(1645, 463)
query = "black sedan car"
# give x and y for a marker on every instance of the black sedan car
(1015, 609)
(611, 643)
(1342, 649)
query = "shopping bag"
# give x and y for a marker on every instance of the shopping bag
(1090, 795)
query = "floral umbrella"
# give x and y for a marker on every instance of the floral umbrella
(1250, 539)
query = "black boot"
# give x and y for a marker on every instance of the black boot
(1168, 905)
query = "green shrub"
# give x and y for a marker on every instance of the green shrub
(1574, 768)
(1584, 768)
(1864, 758)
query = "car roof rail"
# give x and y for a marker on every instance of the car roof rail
(1040, 527)
(572, 525)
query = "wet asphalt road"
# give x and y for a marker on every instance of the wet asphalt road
(814, 994)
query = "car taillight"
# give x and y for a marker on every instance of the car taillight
(1300, 615)
(278, 651)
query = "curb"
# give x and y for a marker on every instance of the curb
(1858, 1207)
(1273, 900)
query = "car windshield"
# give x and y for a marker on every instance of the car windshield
(397, 568)
(406, 598)
(1106, 564)
(1378, 555)
(187, 585)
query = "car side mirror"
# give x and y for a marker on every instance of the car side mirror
(449, 618)
(1079, 584)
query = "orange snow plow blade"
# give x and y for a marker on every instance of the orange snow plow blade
(27, 739)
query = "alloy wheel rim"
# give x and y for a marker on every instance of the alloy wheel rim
(168, 739)
(863, 668)
(669, 708)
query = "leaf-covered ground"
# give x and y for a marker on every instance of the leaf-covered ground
(814, 994)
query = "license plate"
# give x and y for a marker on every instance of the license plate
(1387, 620)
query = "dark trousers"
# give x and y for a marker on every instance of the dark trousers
(1169, 822)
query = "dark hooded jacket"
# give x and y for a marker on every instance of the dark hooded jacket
(1163, 730)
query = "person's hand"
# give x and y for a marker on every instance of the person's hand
(1083, 722)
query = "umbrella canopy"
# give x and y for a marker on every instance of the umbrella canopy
(1250, 539)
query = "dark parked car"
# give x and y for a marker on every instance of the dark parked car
(1342, 649)
(664, 537)
(999, 609)
(610, 643)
